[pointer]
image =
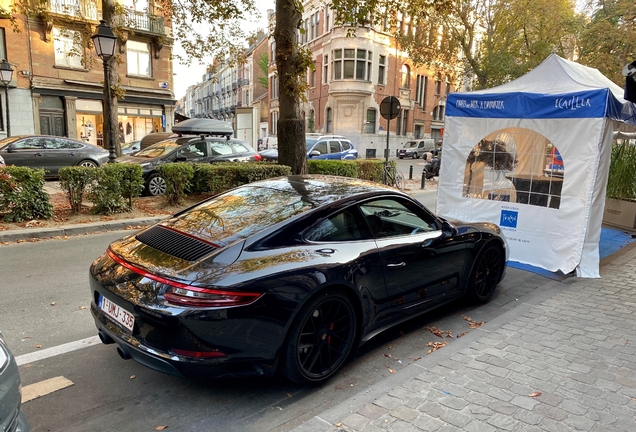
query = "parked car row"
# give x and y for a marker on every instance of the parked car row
(321, 147)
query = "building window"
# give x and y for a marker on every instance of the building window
(369, 125)
(273, 84)
(448, 86)
(402, 121)
(405, 82)
(273, 56)
(329, 121)
(352, 64)
(3, 44)
(438, 85)
(418, 131)
(312, 76)
(325, 70)
(68, 48)
(3, 103)
(381, 69)
(438, 113)
(274, 122)
(138, 57)
(326, 19)
(420, 90)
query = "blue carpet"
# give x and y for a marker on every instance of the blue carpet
(612, 240)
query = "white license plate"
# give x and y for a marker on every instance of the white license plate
(117, 313)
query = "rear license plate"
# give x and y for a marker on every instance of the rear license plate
(118, 314)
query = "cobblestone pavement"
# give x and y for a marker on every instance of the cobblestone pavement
(566, 363)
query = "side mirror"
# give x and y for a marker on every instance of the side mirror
(314, 153)
(448, 229)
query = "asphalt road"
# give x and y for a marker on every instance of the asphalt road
(44, 304)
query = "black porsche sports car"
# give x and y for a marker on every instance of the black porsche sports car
(285, 275)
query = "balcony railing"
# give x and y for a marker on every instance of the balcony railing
(142, 21)
(77, 8)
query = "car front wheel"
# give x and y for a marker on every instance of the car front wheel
(320, 339)
(88, 163)
(156, 185)
(415, 156)
(486, 274)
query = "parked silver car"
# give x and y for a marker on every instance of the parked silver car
(50, 152)
(12, 418)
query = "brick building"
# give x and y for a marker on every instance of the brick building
(60, 94)
(353, 75)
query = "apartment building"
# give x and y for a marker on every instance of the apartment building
(58, 84)
(353, 75)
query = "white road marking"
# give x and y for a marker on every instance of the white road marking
(56, 350)
(45, 387)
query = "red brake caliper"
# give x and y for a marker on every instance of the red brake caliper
(330, 329)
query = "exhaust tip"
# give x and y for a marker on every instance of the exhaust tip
(123, 353)
(106, 340)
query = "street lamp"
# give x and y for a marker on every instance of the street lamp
(6, 75)
(104, 41)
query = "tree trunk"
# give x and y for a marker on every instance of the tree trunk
(108, 7)
(291, 126)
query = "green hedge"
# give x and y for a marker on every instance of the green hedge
(218, 177)
(22, 195)
(178, 177)
(365, 169)
(114, 186)
(75, 181)
(621, 183)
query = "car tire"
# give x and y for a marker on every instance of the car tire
(486, 273)
(415, 156)
(320, 340)
(88, 163)
(155, 185)
(401, 157)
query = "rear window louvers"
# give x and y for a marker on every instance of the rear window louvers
(175, 243)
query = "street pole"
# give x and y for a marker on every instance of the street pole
(104, 41)
(6, 98)
(112, 153)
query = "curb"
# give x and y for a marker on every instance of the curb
(75, 229)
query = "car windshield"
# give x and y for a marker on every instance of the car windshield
(410, 144)
(8, 141)
(310, 142)
(239, 213)
(158, 149)
(130, 144)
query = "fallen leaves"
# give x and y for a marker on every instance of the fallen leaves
(440, 333)
(391, 370)
(435, 346)
(462, 334)
(535, 394)
(52, 303)
(38, 346)
(133, 376)
(473, 324)
(160, 428)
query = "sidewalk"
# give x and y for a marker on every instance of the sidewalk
(567, 362)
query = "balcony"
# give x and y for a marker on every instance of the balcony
(77, 8)
(141, 21)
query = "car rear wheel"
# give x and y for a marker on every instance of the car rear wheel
(486, 274)
(320, 340)
(87, 163)
(415, 156)
(156, 185)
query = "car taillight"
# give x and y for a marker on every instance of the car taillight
(258, 157)
(205, 297)
(199, 354)
(186, 295)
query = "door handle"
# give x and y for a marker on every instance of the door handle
(326, 251)
(38, 154)
(71, 154)
(397, 265)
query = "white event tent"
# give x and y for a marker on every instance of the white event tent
(533, 156)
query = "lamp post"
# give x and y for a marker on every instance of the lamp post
(104, 41)
(6, 75)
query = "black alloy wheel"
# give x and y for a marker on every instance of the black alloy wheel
(321, 339)
(486, 274)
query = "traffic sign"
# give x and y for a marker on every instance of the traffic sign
(390, 107)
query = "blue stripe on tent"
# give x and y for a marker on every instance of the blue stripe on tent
(585, 104)
(612, 240)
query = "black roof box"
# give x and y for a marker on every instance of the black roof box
(203, 126)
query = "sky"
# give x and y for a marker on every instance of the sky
(185, 76)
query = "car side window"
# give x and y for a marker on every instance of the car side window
(52, 143)
(220, 148)
(346, 145)
(29, 144)
(334, 147)
(321, 147)
(342, 226)
(239, 148)
(194, 150)
(391, 217)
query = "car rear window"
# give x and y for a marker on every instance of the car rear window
(238, 214)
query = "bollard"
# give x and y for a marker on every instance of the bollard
(410, 172)
(423, 179)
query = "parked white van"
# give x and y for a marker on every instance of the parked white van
(416, 148)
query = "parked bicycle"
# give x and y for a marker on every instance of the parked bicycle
(392, 176)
